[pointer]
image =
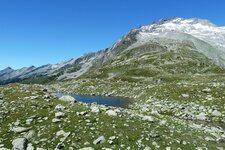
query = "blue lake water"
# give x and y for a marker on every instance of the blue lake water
(102, 100)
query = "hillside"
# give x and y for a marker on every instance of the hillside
(207, 38)
(172, 71)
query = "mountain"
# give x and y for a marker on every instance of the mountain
(6, 71)
(193, 41)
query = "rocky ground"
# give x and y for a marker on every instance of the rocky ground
(177, 92)
(31, 117)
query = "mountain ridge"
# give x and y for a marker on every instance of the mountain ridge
(208, 39)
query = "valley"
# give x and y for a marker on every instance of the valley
(172, 70)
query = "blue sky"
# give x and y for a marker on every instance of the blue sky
(37, 32)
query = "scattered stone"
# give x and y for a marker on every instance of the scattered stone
(99, 140)
(71, 148)
(87, 148)
(111, 139)
(2, 148)
(20, 129)
(147, 148)
(216, 113)
(1, 102)
(67, 98)
(168, 148)
(59, 115)
(82, 113)
(162, 122)
(111, 113)
(54, 120)
(17, 122)
(19, 144)
(30, 147)
(29, 120)
(148, 118)
(185, 95)
(144, 108)
(209, 138)
(201, 116)
(63, 135)
(155, 144)
(95, 109)
(59, 146)
(47, 96)
(206, 90)
(29, 135)
(40, 148)
(59, 107)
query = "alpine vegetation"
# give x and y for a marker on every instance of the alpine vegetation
(171, 73)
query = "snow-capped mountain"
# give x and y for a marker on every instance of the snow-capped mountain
(212, 36)
(206, 37)
(199, 28)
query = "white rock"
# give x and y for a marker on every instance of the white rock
(62, 134)
(168, 148)
(99, 140)
(29, 135)
(162, 122)
(148, 118)
(59, 114)
(20, 129)
(40, 148)
(201, 116)
(111, 113)
(59, 107)
(19, 144)
(29, 120)
(147, 148)
(59, 133)
(30, 147)
(216, 113)
(17, 122)
(206, 90)
(95, 109)
(185, 95)
(1, 102)
(2, 148)
(54, 120)
(87, 148)
(67, 98)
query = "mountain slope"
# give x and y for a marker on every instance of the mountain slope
(203, 36)
(154, 61)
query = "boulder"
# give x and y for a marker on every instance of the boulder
(87, 148)
(201, 116)
(148, 118)
(1, 102)
(99, 140)
(216, 113)
(59, 107)
(67, 98)
(62, 135)
(30, 147)
(54, 120)
(29, 135)
(206, 90)
(19, 144)
(59, 115)
(95, 109)
(20, 129)
(111, 113)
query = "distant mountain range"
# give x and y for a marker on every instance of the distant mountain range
(171, 35)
